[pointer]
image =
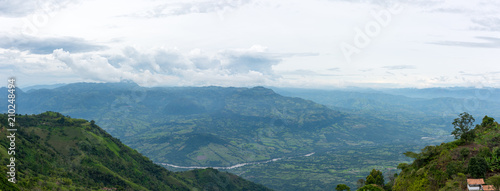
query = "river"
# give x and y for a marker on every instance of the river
(234, 166)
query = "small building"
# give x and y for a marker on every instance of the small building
(488, 188)
(475, 184)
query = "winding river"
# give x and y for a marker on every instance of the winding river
(234, 166)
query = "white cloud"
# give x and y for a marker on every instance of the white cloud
(257, 42)
(160, 66)
(26, 7)
(184, 8)
(89, 66)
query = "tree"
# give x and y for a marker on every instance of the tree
(462, 126)
(342, 187)
(477, 167)
(375, 177)
(487, 121)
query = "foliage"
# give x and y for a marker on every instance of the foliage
(457, 183)
(493, 159)
(464, 153)
(494, 180)
(454, 167)
(371, 187)
(487, 121)
(342, 187)
(477, 167)
(462, 126)
(375, 177)
(390, 184)
(442, 167)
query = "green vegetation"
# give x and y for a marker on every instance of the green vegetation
(215, 126)
(375, 177)
(463, 126)
(447, 166)
(56, 152)
(342, 187)
(371, 187)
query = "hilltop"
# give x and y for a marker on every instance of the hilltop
(447, 166)
(56, 152)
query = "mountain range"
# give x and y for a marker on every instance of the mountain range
(227, 126)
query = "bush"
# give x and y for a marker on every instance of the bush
(468, 136)
(464, 153)
(453, 168)
(477, 167)
(455, 184)
(484, 152)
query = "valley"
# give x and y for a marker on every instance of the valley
(257, 133)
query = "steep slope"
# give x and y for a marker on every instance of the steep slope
(447, 166)
(214, 126)
(54, 152)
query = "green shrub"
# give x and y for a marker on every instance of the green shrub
(484, 152)
(477, 167)
(454, 167)
(464, 153)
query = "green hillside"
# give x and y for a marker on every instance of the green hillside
(56, 152)
(476, 154)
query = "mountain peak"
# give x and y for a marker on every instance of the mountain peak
(259, 91)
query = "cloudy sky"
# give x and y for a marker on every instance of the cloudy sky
(285, 43)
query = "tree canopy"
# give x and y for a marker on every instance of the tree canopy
(375, 177)
(462, 126)
(342, 187)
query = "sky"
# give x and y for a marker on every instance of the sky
(243, 43)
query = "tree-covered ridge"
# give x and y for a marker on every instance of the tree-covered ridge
(56, 152)
(476, 154)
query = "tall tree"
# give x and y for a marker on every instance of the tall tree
(462, 126)
(375, 177)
